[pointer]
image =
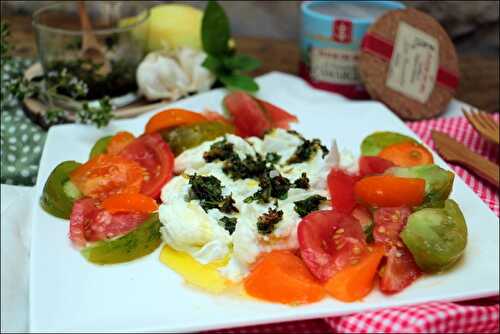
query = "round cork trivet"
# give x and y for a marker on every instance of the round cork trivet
(374, 70)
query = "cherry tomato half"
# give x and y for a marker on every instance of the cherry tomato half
(329, 241)
(171, 118)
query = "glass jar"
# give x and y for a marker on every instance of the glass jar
(121, 30)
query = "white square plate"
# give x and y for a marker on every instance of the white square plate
(70, 294)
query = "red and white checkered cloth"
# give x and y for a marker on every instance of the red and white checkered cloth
(477, 316)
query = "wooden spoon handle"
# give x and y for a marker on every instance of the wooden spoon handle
(481, 166)
(88, 39)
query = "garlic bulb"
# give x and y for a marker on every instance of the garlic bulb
(171, 75)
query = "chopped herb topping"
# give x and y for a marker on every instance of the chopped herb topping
(368, 232)
(308, 205)
(276, 187)
(221, 150)
(243, 169)
(229, 224)
(273, 157)
(227, 205)
(302, 182)
(295, 133)
(306, 150)
(208, 190)
(267, 221)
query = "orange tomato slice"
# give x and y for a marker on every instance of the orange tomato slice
(282, 277)
(172, 117)
(388, 190)
(407, 154)
(356, 281)
(119, 141)
(107, 175)
(130, 203)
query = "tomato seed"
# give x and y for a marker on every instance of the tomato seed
(381, 229)
(340, 231)
(337, 236)
(354, 261)
(340, 246)
(356, 250)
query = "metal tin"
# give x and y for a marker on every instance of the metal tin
(330, 42)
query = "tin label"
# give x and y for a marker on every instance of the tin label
(414, 63)
(342, 31)
(335, 66)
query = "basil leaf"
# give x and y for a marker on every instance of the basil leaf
(242, 63)
(213, 64)
(215, 31)
(237, 81)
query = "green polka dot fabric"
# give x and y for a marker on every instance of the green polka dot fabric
(21, 140)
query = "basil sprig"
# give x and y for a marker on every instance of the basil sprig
(221, 59)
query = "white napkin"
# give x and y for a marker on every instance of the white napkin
(16, 203)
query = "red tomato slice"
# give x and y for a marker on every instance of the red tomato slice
(400, 269)
(89, 223)
(279, 117)
(154, 155)
(247, 115)
(370, 165)
(106, 175)
(329, 241)
(341, 187)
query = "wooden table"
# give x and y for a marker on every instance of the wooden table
(479, 84)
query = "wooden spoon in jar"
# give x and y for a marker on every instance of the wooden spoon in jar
(91, 49)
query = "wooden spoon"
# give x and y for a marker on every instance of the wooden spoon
(453, 151)
(91, 49)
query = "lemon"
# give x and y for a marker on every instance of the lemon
(172, 26)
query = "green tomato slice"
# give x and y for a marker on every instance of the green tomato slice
(377, 141)
(188, 136)
(135, 244)
(59, 193)
(438, 182)
(436, 237)
(100, 147)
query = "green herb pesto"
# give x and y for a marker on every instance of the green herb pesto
(221, 150)
(208, 190)
(276, 187)
(308, 205)
(267, 221)
(273, 157)
(306, 150)
(302, 182)
(229, 224)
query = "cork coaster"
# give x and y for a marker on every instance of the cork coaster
(409, 63)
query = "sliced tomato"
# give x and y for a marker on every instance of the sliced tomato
(279, 117)
(171, 118)
(129, 203)
(154, 155)
(341, 187)
(329, 241)
(246, 114)
(119, 141)
(107, 175)
(89, 223)
(389, 191)
(400, 269)
(370, 165)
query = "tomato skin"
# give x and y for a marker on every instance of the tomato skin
(107, 175)
(400, 269)
(279, 117)
(341, 187)
(119, 141)
(170, 118)
(281, 276)
(388, 190)
(370, 165)
(89, 223)
(329, 241)
(154, 155)
(129, 203)
(246, 114)
(407, 154)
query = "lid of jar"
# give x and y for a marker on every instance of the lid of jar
(408, 62)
